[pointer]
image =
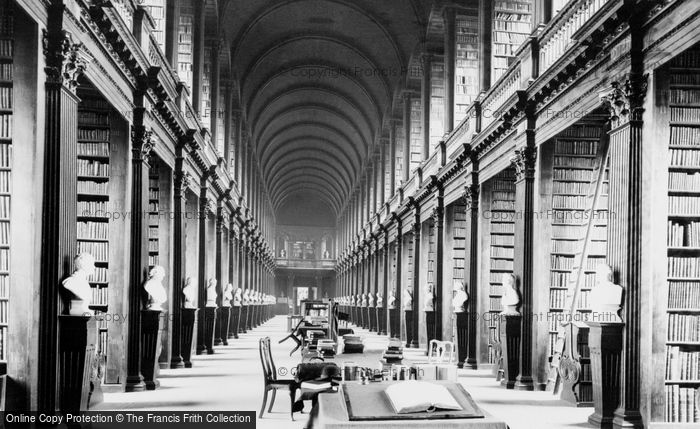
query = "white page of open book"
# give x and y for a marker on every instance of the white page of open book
(416, 396)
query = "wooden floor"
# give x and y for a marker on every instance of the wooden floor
(231, 379)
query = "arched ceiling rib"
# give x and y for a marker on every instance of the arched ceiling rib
(317, 78)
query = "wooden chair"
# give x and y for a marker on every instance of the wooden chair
(271, 381)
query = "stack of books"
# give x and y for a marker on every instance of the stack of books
(326, 348)
(394, 352)
(353, 344)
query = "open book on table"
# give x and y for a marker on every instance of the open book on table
(420, 396)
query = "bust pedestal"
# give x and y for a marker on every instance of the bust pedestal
(222, 326)
(394, 323)
(209, 322)
(605, 345)
(235, 319)
(77, 338)
(462, 325)
(411, 340)
(188, 317)
(429, 329)
(372, 319)
(510, 348)
(151, 325)
(381, 321)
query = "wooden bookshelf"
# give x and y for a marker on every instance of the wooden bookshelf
(437, 105)
(399, 142)
(206, 95)
(156, 8)
(458, 241)
(185, 40)
(512, 25)
(416, 156)
(466, 62)
(502, 227)
(153, 213)
(682, 373)
(6, 144)
(93, 172)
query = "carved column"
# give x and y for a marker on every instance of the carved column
(449, 23)
(385, 289)
(202, 272)
(407, 96)
(471, 199)
(218, 340)
(182, 181)
(65, 62)
(439, 223)
(626, 103)
(426, 90)
(395, 323)
(524, 163)
(142, 143)
(415, 325)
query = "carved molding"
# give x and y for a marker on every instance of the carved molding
(143, 142)
(524, 162)
(624, 100)
(471, 196)
(66, 60)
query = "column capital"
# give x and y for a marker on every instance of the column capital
(524, 162)
(471, 196)
(142, 142)
(624, 99)
(65, 60)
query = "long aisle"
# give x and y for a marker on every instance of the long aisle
(231, 380)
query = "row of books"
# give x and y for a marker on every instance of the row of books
(495, 304)
(91, 187)
(520, 6)
(576, 175)
(570, 202)
(100, 250)
(503, 227)
(92, 168)
(4, 259)
(93, 149)
(153, 260)
(100, 295)
(6, 47)
(683, 234)
(4, 306)
(682, 404)
(5, 182)
(502, 240)
(569, 246)
(5, 71)
(683, 327)
(89, 118)
(563, 279)
(684, 96)
(92, 208)
(100, 276)
(501, 264)
(153, 245)
(6, 125)
(5, 97)
(684, 295)
(3, 343)
(502, 252)
(686, 114)
(683, 205)
(687, 59)
(503, 205)
(5, 155)
(93, 230)
(682, 365)
(574, 162)
(504, 22)
(93, 134)
(516, 39)
(680, 181)
(573, 231)
(685, 136)
(576, 147)
(4, 286)
(558, 299)
(684, 158)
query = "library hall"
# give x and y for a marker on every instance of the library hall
(404, 214)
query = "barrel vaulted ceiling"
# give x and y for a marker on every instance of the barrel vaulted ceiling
(318, 80)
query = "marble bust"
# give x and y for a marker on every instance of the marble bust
(156, 295)
(352, 300)
(246, 297)
(211, 292)
(391, 301)
(511, 295)
(606, 296)
(190, 292)
(460, 297)
(370, 299)
(429, 305)
(363, 302)
(283, 253)
(238, 297)
(79, 286)
(380, 300)
(407, 300)
(228, 296)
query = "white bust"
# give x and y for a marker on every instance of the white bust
(79, 286)
(380, 300)
(228, 296)
(238, 297)
(460, 297)
(211, 292)
(429, 299)
(511, 295)
(352, 300)
(370, 299)
(246, 297)
(407, 299)
(156, 293)
(391, 301)
(606, 296)
(190, 293)
(364, 300)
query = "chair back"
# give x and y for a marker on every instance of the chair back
(269, 370)
(441, 351)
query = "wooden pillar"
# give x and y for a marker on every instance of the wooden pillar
(449, 99)
(524, 162)
(407, 135)
(382, 176)
(383, 329)
(172, 29)
(427, 60)
(625, 231)
(392, 159)
(182, 181)
(416, 276)
(485, 25)
(59, 245)
(142, 143)
(471, 199)
(439, 224)
(198, 55)
(202, 271)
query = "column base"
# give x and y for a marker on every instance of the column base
(413, 344)
(627, 419)
(509, 384)
(524, 383)
(135, 384)
(177, 362)
(600, 421)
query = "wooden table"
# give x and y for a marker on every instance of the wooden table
(332, 413)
